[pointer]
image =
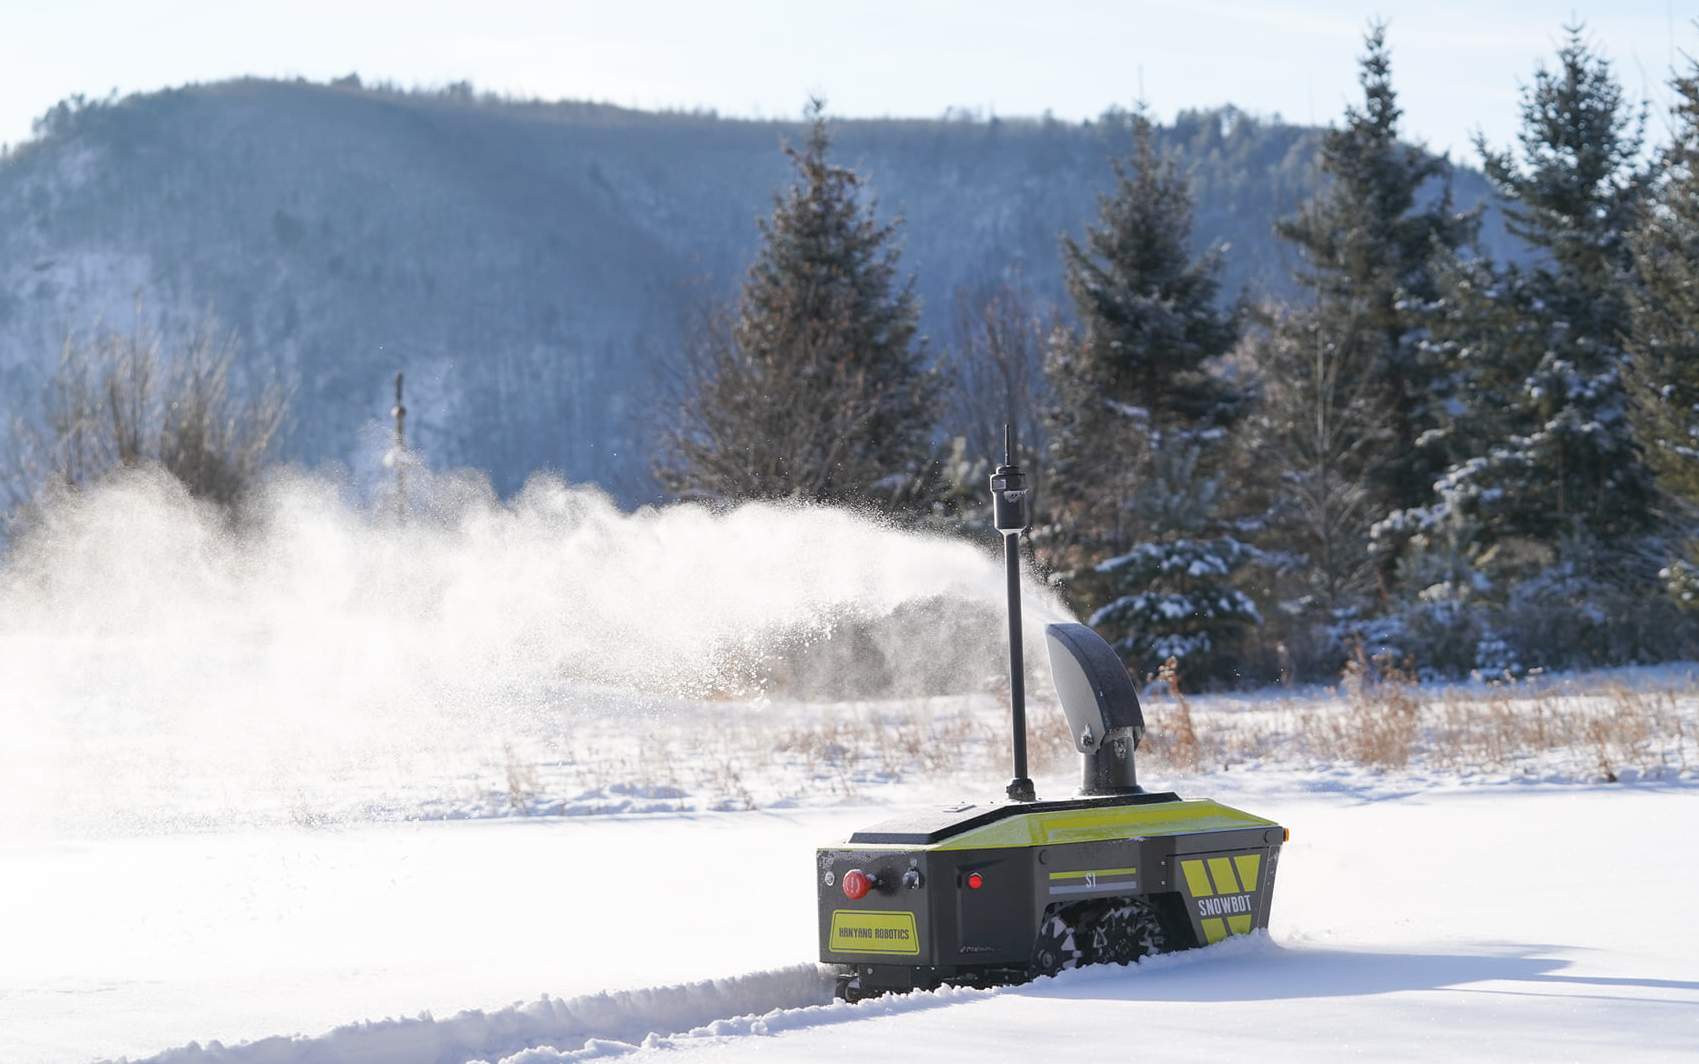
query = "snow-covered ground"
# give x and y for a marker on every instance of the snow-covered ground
(1531, 921)
(528, 779)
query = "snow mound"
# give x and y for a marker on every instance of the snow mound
(807, 1017)
(594, 1025)
(773, 1022)
(611, 1024)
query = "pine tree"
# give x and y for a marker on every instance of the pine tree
(1367, 245)
(818, 388)
(1175, 592)
(1549, 457)
(1547, 516)
(1664, 347)
(1138, 419)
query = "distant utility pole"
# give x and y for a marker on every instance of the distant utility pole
(399, 454)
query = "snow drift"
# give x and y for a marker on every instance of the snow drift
(617, 1019)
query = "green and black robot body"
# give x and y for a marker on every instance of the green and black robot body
(998, 893)
(980, 896)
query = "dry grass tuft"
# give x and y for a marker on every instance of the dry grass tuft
(1171, 735)
(1382, 720)
(1608, 730)
(521, 781)
(1379, 717)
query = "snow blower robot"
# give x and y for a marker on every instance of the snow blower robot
(998, 893)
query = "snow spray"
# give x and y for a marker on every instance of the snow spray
(152, 646)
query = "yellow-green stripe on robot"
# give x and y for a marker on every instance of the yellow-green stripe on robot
(1247, 864)
(1083, 872)
(1220, 870)
(1051, 828)
(1197, 880)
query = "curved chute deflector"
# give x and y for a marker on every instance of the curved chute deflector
(1100, 703)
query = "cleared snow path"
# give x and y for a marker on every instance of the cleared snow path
(123, 947)
(1468, 923)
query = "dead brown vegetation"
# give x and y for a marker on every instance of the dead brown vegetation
(118, 400)
(1382, 714)
(1170, 733)
(1379, 718)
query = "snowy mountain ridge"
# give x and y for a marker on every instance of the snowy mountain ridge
(531, 265)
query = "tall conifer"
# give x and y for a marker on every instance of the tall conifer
(1664, 346)
(1138, 418)
(1545, 528)
(1367, 242)
(1539, 349)
(818, 388)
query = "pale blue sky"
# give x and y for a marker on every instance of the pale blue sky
(1458, 64)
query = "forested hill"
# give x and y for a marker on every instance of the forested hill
(527, 263)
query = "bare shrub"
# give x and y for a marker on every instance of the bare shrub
(829, 748)
(1381, 724)
(521, 781)
(1319, 425)
(118, 400)
(1599, 739)
(726, 780)
(995, 366)
(1624, 733)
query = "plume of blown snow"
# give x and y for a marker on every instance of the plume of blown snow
(157, 655)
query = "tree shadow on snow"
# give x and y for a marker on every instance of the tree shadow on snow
(1374, 790)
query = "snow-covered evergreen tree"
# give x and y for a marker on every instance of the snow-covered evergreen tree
(1176, 594)
(1538, 350)
(1548, 503)
(1138, 420)
(1664, 346)
(1367, 242)
(818, 388)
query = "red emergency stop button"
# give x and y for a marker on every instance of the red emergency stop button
(856, 884)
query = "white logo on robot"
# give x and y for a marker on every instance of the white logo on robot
(1230, 905)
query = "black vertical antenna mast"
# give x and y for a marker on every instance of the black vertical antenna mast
(400, 452)
(1010, 508)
